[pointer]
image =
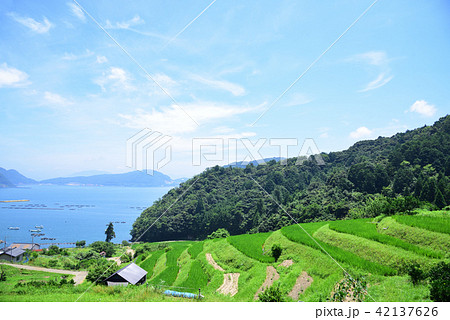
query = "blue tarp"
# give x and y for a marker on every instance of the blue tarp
(180, 294)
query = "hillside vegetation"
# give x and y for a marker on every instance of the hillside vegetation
(315, 258)
(360, 247)
(384, 176)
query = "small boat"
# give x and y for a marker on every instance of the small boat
(14, 228)
(39, 227)
(33, 230)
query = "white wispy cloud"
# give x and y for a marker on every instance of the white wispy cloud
(56, 99)
(101, 59)
(12, 77)
(361, 132)
(117, 79)
(136, 20)
(33, 25)
(379, 60)
(233, 88)
(376, 58)
(76, 11)
(72, 56)
(423, 108)
(380, 81)
(172, 120)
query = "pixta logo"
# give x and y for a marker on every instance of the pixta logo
(148, 151)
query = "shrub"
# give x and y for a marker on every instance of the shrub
(52, 250)
(80, 244)
(53, 263)
(272, 294)
(276, 251)
(107, 247)
(416, 273)
(219, 233)
(125, 258)
(87, 255)
(439, 276)
(2, 275)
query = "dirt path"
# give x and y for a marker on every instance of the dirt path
(271, 276)
(212, 262)
(230, 284)
(286, 263)
(116, 259)
(302, 283)
(79, 275)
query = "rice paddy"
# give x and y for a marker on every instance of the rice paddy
(379, 250)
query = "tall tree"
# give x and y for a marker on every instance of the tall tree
(110, 232)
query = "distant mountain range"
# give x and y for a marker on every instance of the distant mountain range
(12, 178)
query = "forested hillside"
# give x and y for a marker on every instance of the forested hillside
(382, 176)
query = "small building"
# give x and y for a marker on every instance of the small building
(12, 254)
(103, 254)
(131, 274)
(26, 246)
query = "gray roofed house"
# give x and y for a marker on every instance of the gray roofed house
(12, 254)
(132, 274)
(26, 246)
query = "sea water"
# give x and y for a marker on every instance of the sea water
(72, 213)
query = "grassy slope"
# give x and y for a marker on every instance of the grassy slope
(416, 236)
(433, 223)
(365, 228)
(370, 250)
(252, 245)
(355, 244)
(296, 234)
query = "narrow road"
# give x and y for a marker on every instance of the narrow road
(80, 276)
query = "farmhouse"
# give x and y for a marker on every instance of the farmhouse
(132, 274)
(12, 254)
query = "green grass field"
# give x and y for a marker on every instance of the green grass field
(296, 234)
(379, 251)
(432, 223)
(252, 245)
(365, 228)
(417, 236)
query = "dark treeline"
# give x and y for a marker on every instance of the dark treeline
(382, 176)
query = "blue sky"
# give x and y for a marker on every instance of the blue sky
(70, 97)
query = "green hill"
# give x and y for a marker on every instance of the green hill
(382, 176)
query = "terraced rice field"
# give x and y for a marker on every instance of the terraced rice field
(319, 252)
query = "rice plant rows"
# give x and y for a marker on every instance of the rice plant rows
(195, 249)
(168, 276)
(370, 250)
(197, 278)
(252, 245)
(436, 224)
(365, 229)
(149, 263)
(296, 234)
